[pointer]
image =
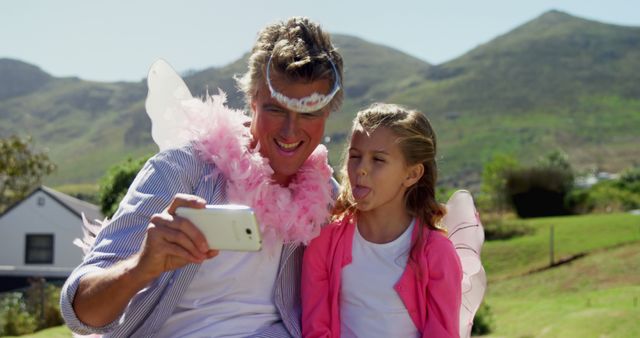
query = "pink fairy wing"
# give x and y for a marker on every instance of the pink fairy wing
(465, 231)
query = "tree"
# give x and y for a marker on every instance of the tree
(115, 184)
(559, 161)
(494, 181)
(21, 169)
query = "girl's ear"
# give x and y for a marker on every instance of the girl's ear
(414, 173)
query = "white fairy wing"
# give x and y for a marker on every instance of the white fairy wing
(90, 231)
(170, 106)
(467, 235)
(167, 93)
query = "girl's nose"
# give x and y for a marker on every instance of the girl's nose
(361, 171)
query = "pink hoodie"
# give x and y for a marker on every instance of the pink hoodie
(431, 297)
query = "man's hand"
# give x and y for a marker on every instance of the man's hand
(172, 241)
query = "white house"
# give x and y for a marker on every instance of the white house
(37, 233)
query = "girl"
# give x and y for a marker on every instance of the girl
(383, 267)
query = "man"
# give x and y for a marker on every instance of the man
(151, 273)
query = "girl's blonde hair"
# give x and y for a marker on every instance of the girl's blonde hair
(417, 142)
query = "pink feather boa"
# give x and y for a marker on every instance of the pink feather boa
(290, 214)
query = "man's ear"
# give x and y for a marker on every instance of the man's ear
(252, 105)
(414, 173)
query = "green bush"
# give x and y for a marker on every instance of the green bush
(483, 321)
(629, 180)
(500, 227)
(41, 296)
(34, 309)
(539, 191)
(606, 196)
(620, 194)
(115, 184)
(15, 320)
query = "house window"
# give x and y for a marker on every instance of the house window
(40, 201)
(39, 249)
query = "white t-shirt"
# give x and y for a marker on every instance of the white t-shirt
(369, 305)
(231, 296)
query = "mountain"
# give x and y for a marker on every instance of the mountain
(19, 78)
(85, 126)
(551, 61)
(557, 81)
(89, 126)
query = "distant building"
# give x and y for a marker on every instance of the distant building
(36, 236)
(591, 179)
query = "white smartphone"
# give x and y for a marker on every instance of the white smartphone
(226, 226)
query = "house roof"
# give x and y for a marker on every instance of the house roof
(76, 206)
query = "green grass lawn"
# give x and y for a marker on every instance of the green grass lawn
(597, 295)
(53, 332)
(572, 235)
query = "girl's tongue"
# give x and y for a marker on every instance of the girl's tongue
(360, 192)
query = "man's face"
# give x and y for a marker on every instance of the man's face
(287, 137)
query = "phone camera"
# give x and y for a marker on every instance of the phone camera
(248, 231)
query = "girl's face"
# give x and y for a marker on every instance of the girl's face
(377, 170)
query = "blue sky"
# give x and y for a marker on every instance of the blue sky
(118, 40)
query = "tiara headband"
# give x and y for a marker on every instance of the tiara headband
(313, 102)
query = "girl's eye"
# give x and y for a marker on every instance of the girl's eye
(378, 159)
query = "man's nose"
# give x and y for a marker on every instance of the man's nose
(290, 127)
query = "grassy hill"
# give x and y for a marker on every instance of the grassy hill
(597, 295)
(594, 297)
(557, 81)
(86, 126)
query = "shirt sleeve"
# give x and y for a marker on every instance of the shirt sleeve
(163, 176)
(444, 290)
(316, 303)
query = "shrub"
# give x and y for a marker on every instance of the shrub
(483, 321)
(34, 309)
(494, 179)
(15, 320)
(630, 180)
(115, 184)
(41, 296)
(606, 196)
(539, 191)
(499, 227)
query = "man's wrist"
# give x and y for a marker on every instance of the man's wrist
(134, 272)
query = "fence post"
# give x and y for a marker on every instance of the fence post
(43, 283)
(551, 260)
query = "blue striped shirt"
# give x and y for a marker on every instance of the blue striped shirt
(164, 175)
